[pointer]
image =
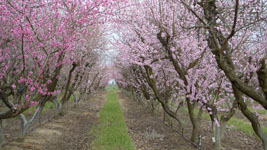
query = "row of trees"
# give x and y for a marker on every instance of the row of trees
(209, 54)
(49, 50)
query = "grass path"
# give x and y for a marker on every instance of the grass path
(111, 132)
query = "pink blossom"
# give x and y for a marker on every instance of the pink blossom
(30, 73)
(27, 98)
(13, 86)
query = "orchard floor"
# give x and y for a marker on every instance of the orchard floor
(68, 132)
(147, 130)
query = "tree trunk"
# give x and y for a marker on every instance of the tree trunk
(164, 116)
(218, 134)
(76, 100)
(195, 122)
(217, 42)
(25, 124)
(219, 131)
(251, 117)
(63, 102)
(152, 84)
(2, 136)
(152, 106)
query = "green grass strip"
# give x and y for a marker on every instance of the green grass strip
(239, 124)
(111, 132)
(244, 126)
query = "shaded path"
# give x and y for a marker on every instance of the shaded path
(69, 132)
(147, 131)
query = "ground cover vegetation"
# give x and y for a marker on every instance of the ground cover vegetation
(111, 132)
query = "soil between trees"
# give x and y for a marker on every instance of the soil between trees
(68, 132)
(147, 131)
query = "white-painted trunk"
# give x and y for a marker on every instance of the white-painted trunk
(218, 134)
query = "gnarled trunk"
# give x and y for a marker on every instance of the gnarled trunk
(165, 107)
(251, 117)
(25, 124)
(195, 121)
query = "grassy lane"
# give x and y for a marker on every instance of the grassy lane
(111, 132)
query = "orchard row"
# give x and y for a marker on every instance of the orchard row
(208, 54)
(49, 50)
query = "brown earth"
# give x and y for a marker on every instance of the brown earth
(148, 131)
(68, 132)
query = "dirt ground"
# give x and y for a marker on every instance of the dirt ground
(148, 131)
(68, 132)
